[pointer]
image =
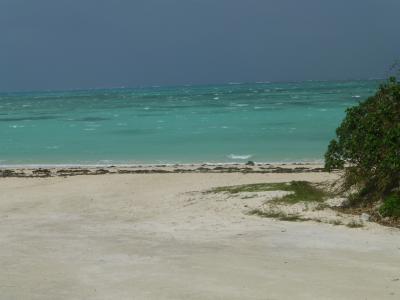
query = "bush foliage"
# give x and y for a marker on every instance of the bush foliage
(391, 206)
(367, 146)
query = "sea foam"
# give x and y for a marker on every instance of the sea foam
(235, 156)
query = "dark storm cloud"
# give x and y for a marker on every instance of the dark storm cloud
(62, 44)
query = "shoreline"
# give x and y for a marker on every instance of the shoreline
(74, 170)
(158, 164)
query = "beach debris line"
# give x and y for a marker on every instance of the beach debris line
(150, 169)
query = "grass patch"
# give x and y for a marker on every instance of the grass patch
(278, 215)
(321, 206)
(301, 191)
(249, 196)
(252, 188)
(336, 222)
(354, 224)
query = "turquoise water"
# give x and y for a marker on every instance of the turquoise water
(264, 122)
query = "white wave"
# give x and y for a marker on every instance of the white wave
(216, 98)
(235, 156)
(17, 126)
(105, 161)
(356, 96)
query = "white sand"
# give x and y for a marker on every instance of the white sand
(156, 237)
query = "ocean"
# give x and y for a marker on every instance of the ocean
(262, 122)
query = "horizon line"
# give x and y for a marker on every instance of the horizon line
(155, 86)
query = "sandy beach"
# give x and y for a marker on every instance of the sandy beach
(199, 150)
(158, 235)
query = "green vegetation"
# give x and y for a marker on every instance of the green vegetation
(249, 196)
(354, 224)
(367, 147)
(301, 191)
(321, 206)
(252, 188)
(278, 215)
(391, 206)
(336, 222)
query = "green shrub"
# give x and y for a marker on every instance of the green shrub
(368, 145)
(391, 206)
(302, 191)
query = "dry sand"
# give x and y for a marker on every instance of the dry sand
(156, 236)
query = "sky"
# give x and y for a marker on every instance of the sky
(74, 44)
